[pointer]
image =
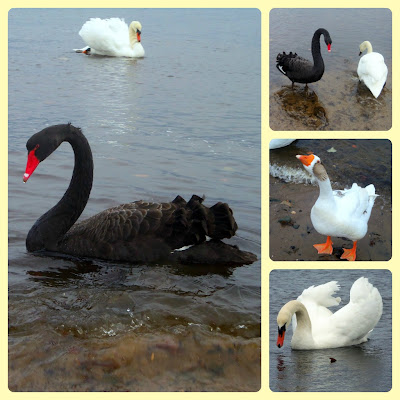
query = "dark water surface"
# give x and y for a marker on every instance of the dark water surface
(337, 101)
(362, 368)
(183, 120)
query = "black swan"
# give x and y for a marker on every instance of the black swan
(300, 70)
(134, 232)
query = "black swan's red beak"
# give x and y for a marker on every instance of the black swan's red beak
(31, 164)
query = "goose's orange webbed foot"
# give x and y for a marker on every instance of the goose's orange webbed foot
(350, 254)
(325, 248)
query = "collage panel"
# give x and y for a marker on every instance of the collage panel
(134, 200)
(340, 336)
(330, 200)
(330, 69)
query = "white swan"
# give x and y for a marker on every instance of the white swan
(372, 69)
(278, 143)
(316, 327)
(340, 213)
(111, 37)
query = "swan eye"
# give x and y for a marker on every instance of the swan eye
(36, 147)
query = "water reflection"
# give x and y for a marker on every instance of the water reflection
(302, 104)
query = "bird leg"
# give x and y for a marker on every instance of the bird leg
(350, 254)
(325, 248)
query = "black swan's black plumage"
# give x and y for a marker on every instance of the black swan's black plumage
(300, 70)
(132, 232)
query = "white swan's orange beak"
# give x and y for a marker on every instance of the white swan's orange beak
(31, 164)
(281, 338)
(306, 160)
(138, 36)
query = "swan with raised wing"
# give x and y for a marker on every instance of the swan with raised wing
(112, 37)
(316, 327)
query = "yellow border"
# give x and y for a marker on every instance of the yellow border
(267, 265)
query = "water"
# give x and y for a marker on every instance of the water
(363, 368)
(337, 101)
(183, 120)
(292, 195)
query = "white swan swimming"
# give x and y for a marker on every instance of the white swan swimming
(372, 69)
(316, 327)
(278, 143)
(339, 213)
(112, 37)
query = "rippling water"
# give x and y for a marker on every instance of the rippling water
(185, 119)
(363, 368)
(337, 101)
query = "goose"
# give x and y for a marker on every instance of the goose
(316, 327)
(340, 213)
(300, 70)
(139, 231)
(372, 69)
(112, 37)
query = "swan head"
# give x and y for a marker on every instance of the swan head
(136, 26)
(365, 46)
(42, 144)
(283, 319)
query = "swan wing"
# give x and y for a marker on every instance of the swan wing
(143, 230)
(373, 71)
(106, 36)
(316, 299)
(352, 323)
(293, 65)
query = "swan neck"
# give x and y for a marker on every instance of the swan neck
(132, 36)
(302, 335)
(316, 51)
(50, 228)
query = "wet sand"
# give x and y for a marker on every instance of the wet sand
(292, 234)
(187, 362)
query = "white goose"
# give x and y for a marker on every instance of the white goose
(372, 69)
(340, 213)
(112, 37)
(316, 327)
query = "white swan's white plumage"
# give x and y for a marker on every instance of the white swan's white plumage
(316, 327)
(340, 213)
(372, 69)
(278, 143)
(112, 37)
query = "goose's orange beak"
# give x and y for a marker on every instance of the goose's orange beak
(306, 160)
